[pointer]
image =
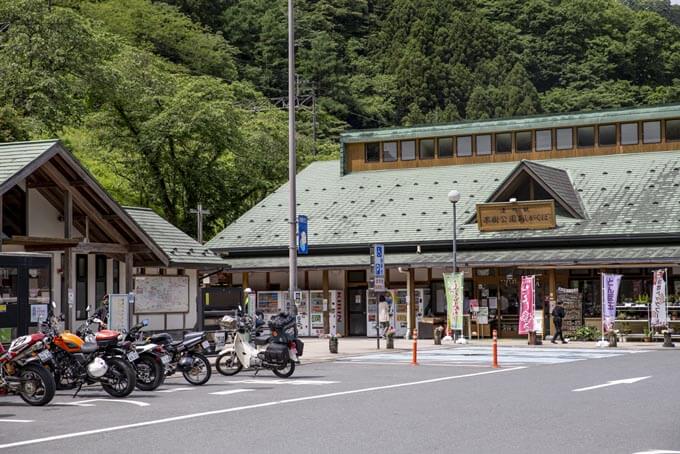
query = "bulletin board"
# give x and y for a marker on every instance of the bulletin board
(161, 294)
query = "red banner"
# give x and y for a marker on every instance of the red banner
(526, 305)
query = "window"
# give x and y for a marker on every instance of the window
(408, 150)
(651, 132)
(523, 141)
(504, 143)
(357, 276)
(629, 134)
(464, 146)
(427, 149)
(372, 152)
(390, 151)
(607, 135)
(565, 139)
(116, 277)
(672, 130)
(585, 136)
(544, 140)
(483, 144)
(100, 279)
(445, 147)
(81, 286)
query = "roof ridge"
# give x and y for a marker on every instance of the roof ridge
(23, 142)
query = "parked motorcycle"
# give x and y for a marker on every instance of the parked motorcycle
(280, 352)
(186, 356)
(22, 369)
(78, 362)
(151, 361)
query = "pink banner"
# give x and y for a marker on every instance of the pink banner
(526, 305)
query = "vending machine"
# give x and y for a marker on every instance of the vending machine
(302, 311)
(316, 312)
(269, 303)
(397, 301)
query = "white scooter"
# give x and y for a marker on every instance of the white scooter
(279, 352)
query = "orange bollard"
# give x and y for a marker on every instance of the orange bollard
(414, 359)
(495, 350)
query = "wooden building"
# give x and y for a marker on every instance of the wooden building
(593, 192)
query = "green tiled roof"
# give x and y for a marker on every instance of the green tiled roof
(15, 156)
(623, 195)
(179, 247)
(515, 124)
(658, 255)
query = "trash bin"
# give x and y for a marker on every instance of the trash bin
(437, 335)
(333, 344)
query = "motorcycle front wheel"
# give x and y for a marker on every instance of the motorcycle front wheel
(150, 373)
(200, 371)
(37, 385)
(120, 376)
(285, 371)
(228, 364)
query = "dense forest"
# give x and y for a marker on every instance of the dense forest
(171, 103)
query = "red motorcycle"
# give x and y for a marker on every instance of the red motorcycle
(22, 369)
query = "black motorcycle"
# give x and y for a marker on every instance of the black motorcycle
(186, 356)
(150, 357)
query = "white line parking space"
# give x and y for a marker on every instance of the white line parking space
(231, 391)
(290, 381)
(88, 402)
(174, 390)
(483, 355)
(17, 420)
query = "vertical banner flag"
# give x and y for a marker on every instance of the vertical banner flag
(527, 306)
(303, 245)
(453, 282)
(610, 294)
(659, 313)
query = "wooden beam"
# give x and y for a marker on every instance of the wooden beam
(66, 273)
(129, 282)
(102, 248)
(1, 220)
(43, 241)
(68, 214)
(83, 204)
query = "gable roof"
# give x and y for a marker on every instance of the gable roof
(624, 196)
(16, 157)
(556, 182)
(179, 247)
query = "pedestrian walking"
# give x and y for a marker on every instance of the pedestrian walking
(558, 316)
(383, 315)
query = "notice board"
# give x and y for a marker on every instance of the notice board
(161, 294)
(573, 309)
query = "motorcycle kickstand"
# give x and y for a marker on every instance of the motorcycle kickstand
(256, 371)
(77, 390)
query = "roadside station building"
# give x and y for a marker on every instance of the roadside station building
(64, 239)
(561, 197)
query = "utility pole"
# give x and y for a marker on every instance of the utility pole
(292, 160)
(199, 212)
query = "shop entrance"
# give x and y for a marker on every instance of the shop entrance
(25, 294)
(356, 305)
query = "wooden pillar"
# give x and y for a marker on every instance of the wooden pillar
(68, 214)
(327, 301)
(552, 288)
(1, 226)
(129, 281)
(412, 303)
(244, 281)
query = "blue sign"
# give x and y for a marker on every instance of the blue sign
(303, 246)
(379, 266)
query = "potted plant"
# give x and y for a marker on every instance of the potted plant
(667, 340)
(647, 334)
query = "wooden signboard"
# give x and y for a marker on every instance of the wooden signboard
(527, 215)
(573, 314)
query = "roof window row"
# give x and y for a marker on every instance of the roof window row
(646, 132)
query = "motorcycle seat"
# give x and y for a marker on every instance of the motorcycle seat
(177, 343)
(194, 334)
(89, 347)
(259, 341)
(161, 338)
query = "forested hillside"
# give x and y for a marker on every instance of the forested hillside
(174, 103)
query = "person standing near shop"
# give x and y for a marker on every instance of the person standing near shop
(558, 316)
(383, 315)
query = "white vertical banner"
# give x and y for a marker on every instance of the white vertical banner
(610, 295)
(659, 315)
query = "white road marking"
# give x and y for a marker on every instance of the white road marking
(16, 420)
(174, 390)
(625, 381)
(231, 391)
(247, 407)
(86, 403)
(657, 451)
(292, 381)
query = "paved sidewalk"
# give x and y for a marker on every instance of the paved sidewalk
(316, 350)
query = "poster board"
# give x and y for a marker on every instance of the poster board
(573, 309)
(161, 294)
(483, 316)
(118, 312)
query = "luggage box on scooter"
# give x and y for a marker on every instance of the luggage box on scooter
(277, 354)
(299, 346)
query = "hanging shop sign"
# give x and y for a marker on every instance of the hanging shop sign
(573, 309)
(527, 306)
(527, 215)
(610, 294)
(659, 314)
(454, 299)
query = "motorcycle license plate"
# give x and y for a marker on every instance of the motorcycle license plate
(165, 359)
(205, 344)
(45, 355)
(132, 356)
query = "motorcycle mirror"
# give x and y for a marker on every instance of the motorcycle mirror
(145, 322)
